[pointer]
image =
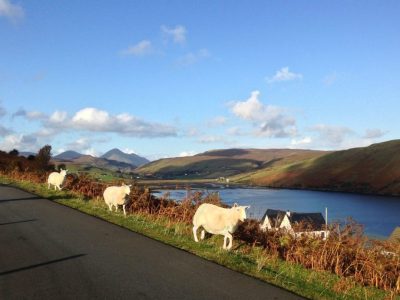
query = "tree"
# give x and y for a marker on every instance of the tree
(14, 152)
(43, 158)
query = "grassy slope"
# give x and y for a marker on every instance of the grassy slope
(373, 169)
(213, 164)
(248, 260)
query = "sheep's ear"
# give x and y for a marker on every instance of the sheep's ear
(235, 205)
(130, 185)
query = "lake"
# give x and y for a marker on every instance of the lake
(379, 214)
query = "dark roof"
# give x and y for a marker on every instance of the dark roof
(315, 220)
(395, 236)
(275, 217)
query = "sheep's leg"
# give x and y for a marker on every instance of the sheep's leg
(123, 207)
(55, 187)
(203, 233)
(195, 233)
(230, 240)
(109, 207)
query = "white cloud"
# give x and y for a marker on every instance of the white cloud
(301, 142)
(284, 75)
(58, 117)
(129, 151)
(193, 57)
(20, 142)
(93, 119)
(187, 153)
(13, 12)
(374, 133)
(236, 131)
(177, 34)
(30, 115)
(92, 152)
(217, 121)
(270, 121)
(332, 135)
(96, 120)
(140, 49)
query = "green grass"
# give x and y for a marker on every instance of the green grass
(243, 258)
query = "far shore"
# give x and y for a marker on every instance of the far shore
(178, 184)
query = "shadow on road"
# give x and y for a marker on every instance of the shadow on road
(20, 199)
(17, 222)
(41, 264)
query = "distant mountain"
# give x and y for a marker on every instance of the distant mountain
(223, 163)
(68, 155)
(132, 159)
(84, 162)
(27, 153)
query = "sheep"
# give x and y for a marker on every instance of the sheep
(56, 179)
(218, 220)
(116, 195)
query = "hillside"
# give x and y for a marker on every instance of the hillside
(86, 162)
(118, 155)
(374, 169)
(224, 163)
(68, 155)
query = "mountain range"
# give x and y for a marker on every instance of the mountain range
(374, 169)
(114, 160)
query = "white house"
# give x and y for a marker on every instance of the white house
(314, 224)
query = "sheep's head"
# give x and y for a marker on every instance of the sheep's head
(127, 188)
(240, 211)
(63, 172)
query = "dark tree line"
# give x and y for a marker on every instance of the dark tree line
(13, 161)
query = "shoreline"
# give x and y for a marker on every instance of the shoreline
(181, 185)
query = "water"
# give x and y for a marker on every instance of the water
(379, 214)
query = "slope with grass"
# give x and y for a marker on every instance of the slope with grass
(224, 163)
(373, 169)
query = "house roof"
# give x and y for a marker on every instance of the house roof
(275, 217)
(315, 220)
(395, 236)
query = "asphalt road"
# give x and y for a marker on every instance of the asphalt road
(49, 251)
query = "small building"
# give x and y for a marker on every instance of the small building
(314, 223)
(395, 236)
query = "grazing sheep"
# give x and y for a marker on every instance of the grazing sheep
(116, 195)
(56, 179)
(218, 220)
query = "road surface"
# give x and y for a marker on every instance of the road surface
(49, 251)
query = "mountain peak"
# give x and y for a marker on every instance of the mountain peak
(68, 155)
(118, 155)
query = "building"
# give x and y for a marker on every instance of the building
(296, 223)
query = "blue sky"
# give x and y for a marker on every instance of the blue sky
(171, 78)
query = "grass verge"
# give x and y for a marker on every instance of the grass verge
(243, 258)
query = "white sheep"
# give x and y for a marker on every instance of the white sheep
(116, 195)
(218, 220)
(56, 179)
